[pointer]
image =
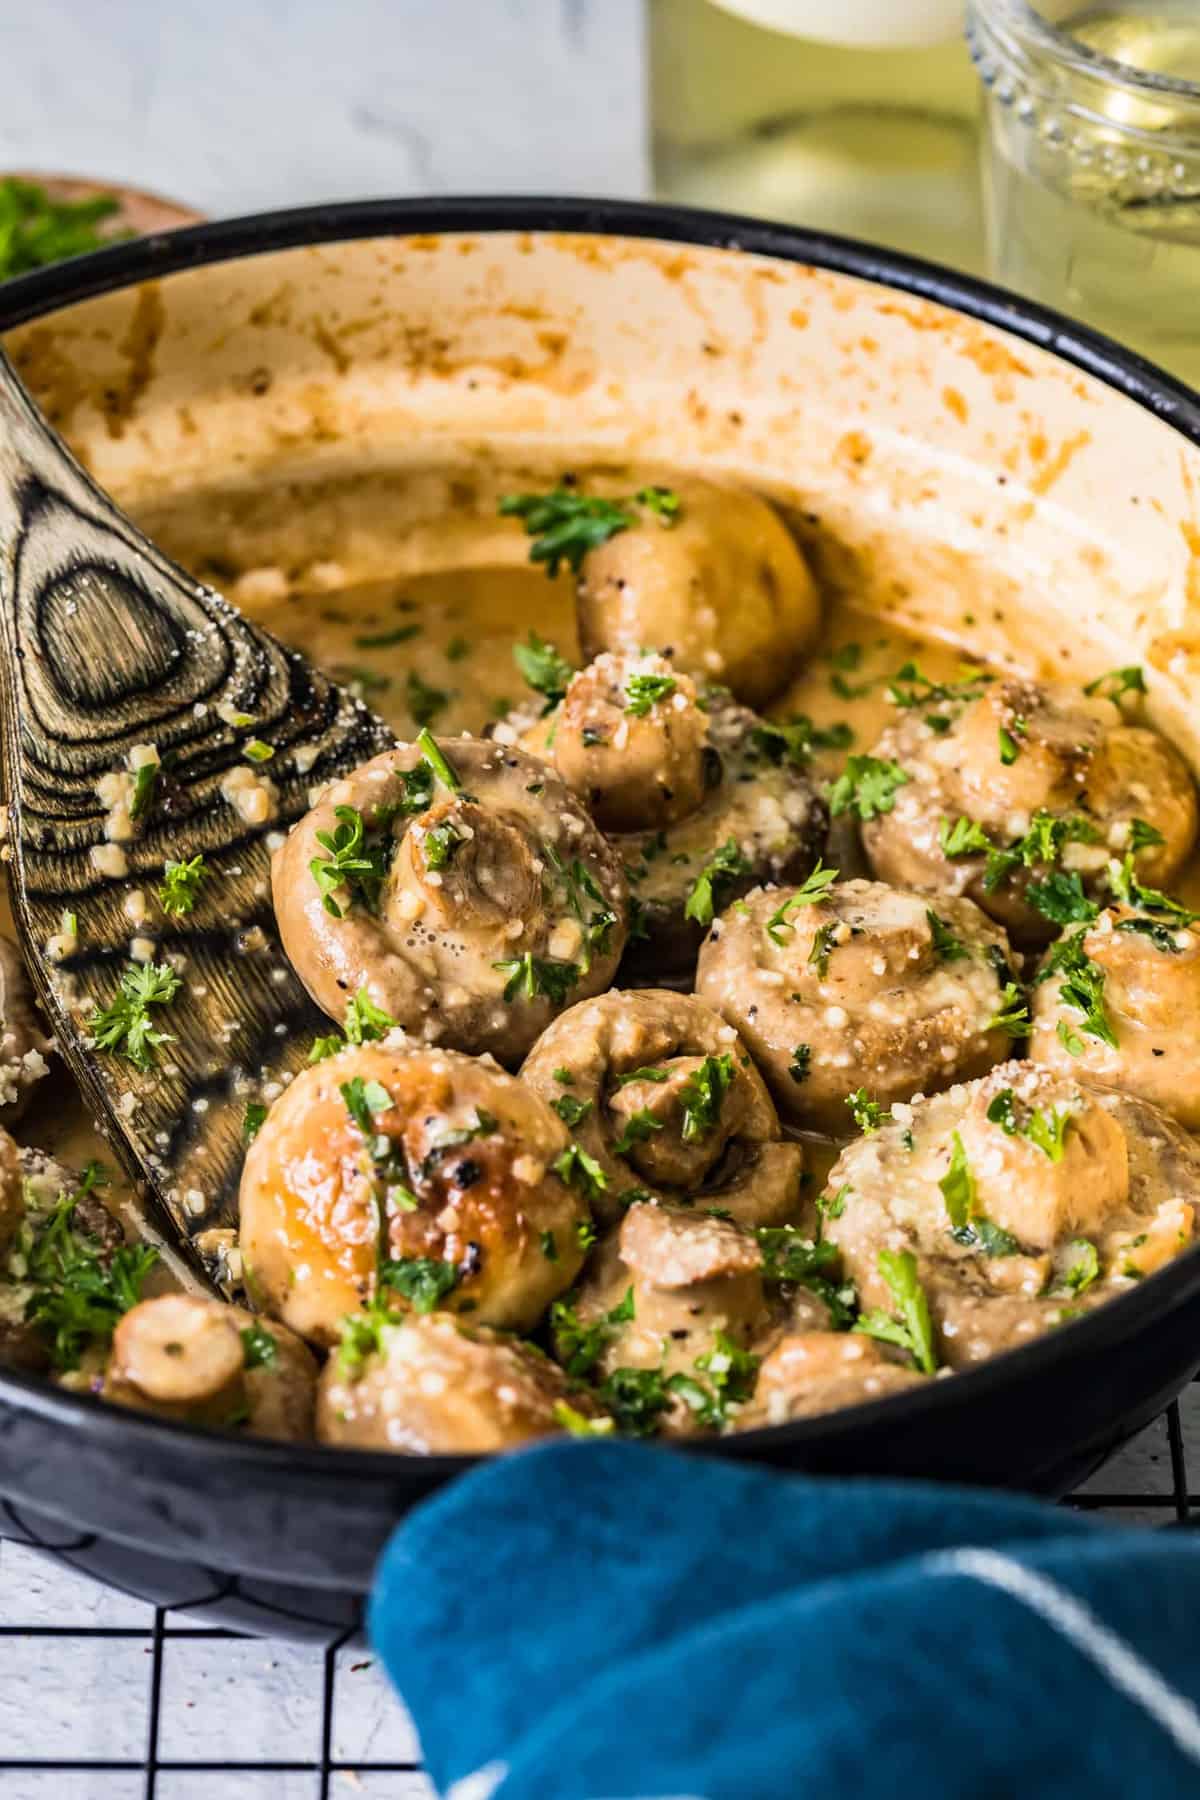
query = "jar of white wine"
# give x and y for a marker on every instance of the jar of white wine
(852, 116)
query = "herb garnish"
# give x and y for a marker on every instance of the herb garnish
(565, 525)
(181, 884)
(703, 1095)
(572, 1112)
(79, 1295)
(531, 976)
(578, 1346)
(253, 1120)
(655, 1075)
(823, 945)
(1082, 987)
(424, 702)
(644, 691)
(796, 740)
(1117, 682)
(259, 1349)
(1012, 1014)
(1061, 899)
(579, 1170)
(800, 1066)
(351, 863)
(639, 1126)
(912, 1329)
(36, 230)
(125, 1025)
(543, 668)
(869, 1115)
(424, 1281)
(946, 947)
(958, 1186)
(867, 786)
(725, 865)
(1046, 1129)
(1084, 1267)
(778, 928)
(145, 779)
(364, 1022)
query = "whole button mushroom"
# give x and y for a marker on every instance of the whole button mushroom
(694, 790)
(441, 1386)
(412, 1178)
(975, 1219)
(1118, 1001)
(665, 1104)
(840, 986)
(461, 885)
(1021, 798)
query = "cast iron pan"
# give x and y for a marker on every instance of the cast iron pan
(282, 1539)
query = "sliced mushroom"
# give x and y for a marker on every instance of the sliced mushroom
(183, 1356)
(1056, 782)
(857, 985)
(724, 590)
(24, 1041)
(439, 1386)
(423, 1176)
(662, 1098)
(478, 899)
(1023, 1196)
(1134, 1022)
(809, 1373)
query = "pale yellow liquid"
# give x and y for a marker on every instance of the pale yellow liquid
(869, 143)
(1064, 233)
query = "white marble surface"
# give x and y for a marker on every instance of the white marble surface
(231, 105)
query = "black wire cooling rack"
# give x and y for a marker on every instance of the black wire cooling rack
(212, 1758)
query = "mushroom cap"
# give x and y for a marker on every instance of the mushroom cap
(1067, 757)
(699, 1127)
(457, 1176)
(439, 1386)
(486, 908)
(862, 986)
(1150, 967)
(1023, 1195)
(724, 590)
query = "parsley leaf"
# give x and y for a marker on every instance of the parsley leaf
(868, 1114)
(867, 786)
(912, 1330)
(543, 668)
(36, 230)
(1084, 1267)
(958, 1186)
(253, 1120)
(823, 946)
(725, 865)
(425, 703)
(259, 1349)
(531, 976)
(572, 1112)
(579, 1170)
(565, 525)
(946, 947)
(1143, 836)
(1061, 899)
(350, 862)
(1046, 1129)
(366, 1023)
(644, 691)
(181, 884)
(655, 1075)
(639, 1126)
(145, 779)
(796, 740)
(800, 1066)
(703, 1095)
(579, 1346)
(125, 1025)
(424, 1281)
(1117, 682)
(79, 1295)
(1012, 1014)
(777, 927)
(438, 846)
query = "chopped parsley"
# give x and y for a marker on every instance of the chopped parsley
(1012, 1014)
(257, 751)
(572, 1112)
(1084, 1267)
(663, 502)
(1143, 836)
(579, 1424)
(79, 1294)
(946, 947)
(796, 740)
(703, 1095)
(543, 668)
(1009, 747)
(869, 1115)
(1126, 887)
(778, 928)
(350, 862)
(800, 1066)
(958, 1186)
(731, 1370)
(1118, 682)
(579, 1170)
(439, 845)
(565, 525)
(425, 703)
(253, 1120)
(584, 899)
(867, 787)
(1041, 845)
(910, 1327)
(579, 1346)
(1082, 986)
(36, 230)
(384, 640)
(790, 1260)
(644, 691)
(424, 1281)
(1046, 1129)
(1160, 935)
(549, 1246)
(531, 976)
(823, 945)
(1061, 899)
(181, 884)
(989, 1239)
(366, 1023)
(259, 1349)
(639, 1126)
(655, 1075)
(910, 688)
(724, 866)
(125, 1025)
(442, 768)
(145, 780)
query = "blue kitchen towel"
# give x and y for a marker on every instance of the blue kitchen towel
(594, 1621)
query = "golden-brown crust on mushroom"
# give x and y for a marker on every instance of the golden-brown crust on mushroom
(724, 590)
(1021, 749)
(501, 886)
(861, 986)
(810, 1373)
(637, 755)
(438, 1386)
(739, 1162)
(459, 1171)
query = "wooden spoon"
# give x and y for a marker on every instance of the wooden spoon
(107, 645)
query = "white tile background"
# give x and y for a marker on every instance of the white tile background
(231, 105)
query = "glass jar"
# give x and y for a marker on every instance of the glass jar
(856, 116)
(1091, 163)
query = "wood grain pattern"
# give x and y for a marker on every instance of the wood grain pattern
(108, 645)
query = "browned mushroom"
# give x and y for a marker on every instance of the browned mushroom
(441, 1386)
(845, 985)
(416, 1178)
(665, 1104)
(461, 886)
(1024, 798)
(808, 1373)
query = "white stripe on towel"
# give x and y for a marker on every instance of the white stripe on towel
(1118, 1661)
